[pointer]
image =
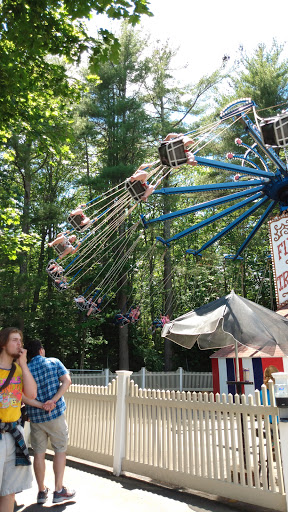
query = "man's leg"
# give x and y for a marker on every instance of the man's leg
(59, 464)
(7, 503)
(39, 469)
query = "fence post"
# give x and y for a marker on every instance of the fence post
(180, 370)
(106, 374)
(120, 420)
(143, 377)
(283, 430)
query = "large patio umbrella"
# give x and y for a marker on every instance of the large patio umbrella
(226, 321)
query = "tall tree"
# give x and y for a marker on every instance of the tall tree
(33, 29)
(118, 124)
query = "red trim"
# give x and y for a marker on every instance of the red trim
(275, 361)
(215, 374)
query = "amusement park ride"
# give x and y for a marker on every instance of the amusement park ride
(267, 187)
(260, 182)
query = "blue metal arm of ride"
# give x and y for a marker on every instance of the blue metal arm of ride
(251, 149)
(211, 219)
(208, 187)
(230, 226)
(227, 166)
(202, 206)
(99, 216)
(71, 262)
(255, 229)
(92, 200)
(80, 269)
(87, 289)
(272, 155)
(244, 158)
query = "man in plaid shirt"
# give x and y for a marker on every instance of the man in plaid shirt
(47, 419)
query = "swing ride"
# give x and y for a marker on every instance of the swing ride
(260, 183)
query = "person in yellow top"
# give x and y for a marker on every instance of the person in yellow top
(15, 471)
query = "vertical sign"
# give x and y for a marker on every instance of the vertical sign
(278, 234)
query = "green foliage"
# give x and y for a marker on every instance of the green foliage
(31, 30)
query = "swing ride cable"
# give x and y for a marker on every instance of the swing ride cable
(105, 284)
(151, 273)
(135, 265)
(115, 190)
(154, 171)
(109, 206)
(138, 263)
(121, 248)
(125, 241)
(106, 194)
(111, 228)
(213, 138)
(119, 205)
(102, 223)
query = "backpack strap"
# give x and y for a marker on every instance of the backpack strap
(10, 375)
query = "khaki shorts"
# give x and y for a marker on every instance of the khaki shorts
(12, 478)
(55, 430)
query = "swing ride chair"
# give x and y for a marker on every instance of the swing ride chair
(58, 286)
(258, 187)
(75, 221)
(57, 273)
(274, 130)
(135, 189)
(60, 248)
(172, 153)
(83, 305)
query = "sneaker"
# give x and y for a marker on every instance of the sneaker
(63, 495)
(42, 496)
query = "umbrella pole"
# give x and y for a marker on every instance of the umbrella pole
(237, 363)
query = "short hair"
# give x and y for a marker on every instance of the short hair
(33, 348)
(5, 333)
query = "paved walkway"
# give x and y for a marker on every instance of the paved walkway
(98, 489)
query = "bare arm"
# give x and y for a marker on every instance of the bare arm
(32, 402)
(39, 405)
(65, 382)
(29, 384)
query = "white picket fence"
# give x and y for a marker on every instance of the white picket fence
(193, 440)
(180, 380)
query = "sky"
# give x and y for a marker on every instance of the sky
(206, 30)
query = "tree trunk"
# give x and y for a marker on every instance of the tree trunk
(39, 271)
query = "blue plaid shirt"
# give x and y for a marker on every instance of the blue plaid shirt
(46, 372)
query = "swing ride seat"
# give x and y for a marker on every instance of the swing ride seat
(95, 309)
(172, 153)
(59, 287)
(75, 221)
(60, 248)
(135, 189)
(121, 319)
(57, 272)
(274, 130)
(83, 306)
